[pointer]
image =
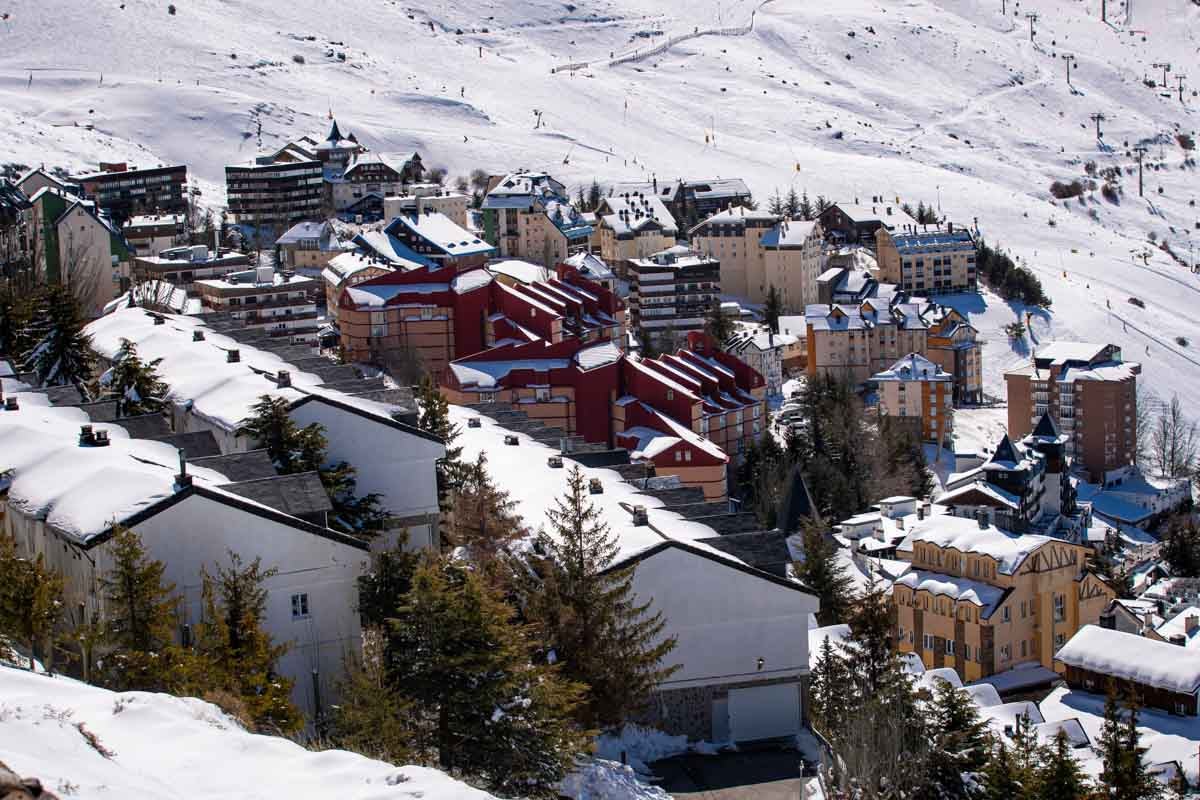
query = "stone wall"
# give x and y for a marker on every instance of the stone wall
(689, 711)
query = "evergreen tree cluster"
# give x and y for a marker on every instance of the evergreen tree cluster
(42, 330)
(293, 450)
(1181, 546)
(135, 384)
(793, 206)
(1010, 281)
(923, 214)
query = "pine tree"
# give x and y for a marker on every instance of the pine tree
(482, 707)
(15, 315)
(595, 195)
(1060, 776)
(822, 205)
(240, 655)
(1181, 546)
(434, 417)
(135, 383)
(824, 575)
(830, 689)
(772, 309)
(380, 590)
(142, 614)
(791, 206)
(31, 602)
(590, 615)
(869, 650)
(61, 352)
(775, 204)
(718, 326)
(369, 717)
(960, 748)
(1139, 784)
(1001, 780)
(1026, 752)
(485, 519)
(1124, 776)
(806, 207)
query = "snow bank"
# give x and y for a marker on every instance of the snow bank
(600, 779)
(640, 745)
(171, 748)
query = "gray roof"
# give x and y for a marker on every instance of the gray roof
(301, 495)
(765, 550)
(62, 395)
(145, 426)
(239, 467)
(193, 445)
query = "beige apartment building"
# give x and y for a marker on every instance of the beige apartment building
(528, 215)
(853, 342)
(920, 393)
(982, 601)
(733, 237)
(1090, 393)
(419, 197)
(280, 303)
(954, 345)
(927, 261)
(794, 257)
(632, 225)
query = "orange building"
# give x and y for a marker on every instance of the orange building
(918, 390)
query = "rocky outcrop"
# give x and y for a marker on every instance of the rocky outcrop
(13, 787)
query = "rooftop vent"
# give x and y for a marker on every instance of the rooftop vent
(554, 462)
(10, 404)
(511, 440)
(1179, 639)
(183, 480)
(595, 487)
(640, 517)
(101, 439)
(233, 356)
(473, 422)
(197, 336)
(159, 320)
(283, 379)
(86, 436)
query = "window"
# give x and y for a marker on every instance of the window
(426, 312)
(1059, 640)
(1060, 607)
(927, 641)
(1005, 653)
(678, 456)
(949, 647)
(1023, 648)
(379, 325)
(687, 455)
(1007, 616)
(543, 395)
(300, 605)
(670, 394)
(1022, 609)
(966, 652)
(910, 637)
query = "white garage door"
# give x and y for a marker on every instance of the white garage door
(764, 712)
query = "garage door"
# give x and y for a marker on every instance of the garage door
(764, 712)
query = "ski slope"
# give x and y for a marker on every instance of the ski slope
(945, 101)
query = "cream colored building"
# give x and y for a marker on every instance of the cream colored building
(528, 215)
(982, 601)
(853, 342)
(794, 256)
(917, 390)
(733, 237)
(927, 261)
(632, 225)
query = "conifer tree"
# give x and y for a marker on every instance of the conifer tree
(135, 383)
(1139, 783)
(1060, 777)
(595, 195)
(791, 206)
(718, 326)
(15, 315)
(482, 707)
(31, 602)
(1181, 546)
(1122, 764)
(824, 575)
(485, 518)
(61, 352)
(773, 309)
(806, 207)
(142, 614)
(960, 748)
(603, 636)
(434, 417)
(831, 691)
(1026, 752)
(822, 205)
(775, 204)
(369, 717)
(1000, 776)
(240, 655)
(871, 658)
(390, 578)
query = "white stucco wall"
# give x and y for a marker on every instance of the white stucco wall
(398, 465)
(725, 620)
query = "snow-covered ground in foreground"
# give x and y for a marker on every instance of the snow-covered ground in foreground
(945, 101)
(179, 749)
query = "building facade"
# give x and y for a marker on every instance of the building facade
(733, 238)
(927, 261)
(1161, 675)
(126, 191)
(280, 303)
(528, 215)
(183, 266)
(955, 346)
(982, 600)
(853, 342)
(672, 292)
(308, 247)
(853, 223)
(275, 195)
(416, 199)
(149, 234)
(1089, 392)
(920, 393)
(632, 225)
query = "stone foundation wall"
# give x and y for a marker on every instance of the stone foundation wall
(689, 711)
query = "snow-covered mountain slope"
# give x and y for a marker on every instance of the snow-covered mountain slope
(945, 101)
(82, 741)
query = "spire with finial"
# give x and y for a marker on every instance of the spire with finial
(335, 135)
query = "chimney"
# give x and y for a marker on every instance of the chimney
(950, 227)
(639, 516)
(1191, 623)
(86, 437)
(1179, 639)
(283, 379)
(183, 480)
(197, 335)
(158, 320)
(11, 404)
(217, 239)
(920, 513)
(982, 519)
(101, 439)
(233, 356)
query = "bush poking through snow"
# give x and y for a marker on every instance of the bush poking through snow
(1181, 341)
(1064, 191)
(1137, 302)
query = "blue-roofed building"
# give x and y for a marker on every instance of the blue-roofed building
(929, 260)
(528, 215)
(435, 237)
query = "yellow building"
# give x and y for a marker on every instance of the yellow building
(930, 260)
(982, 600)
(917, 390)
(632, 225)
(733, 237)
(853, 342)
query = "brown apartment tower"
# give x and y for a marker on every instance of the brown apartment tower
(1089, 392)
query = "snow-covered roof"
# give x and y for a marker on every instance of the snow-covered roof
(788, 234)
(990, 490)
(1047, 732)
(913, 367)
(649, 442)
(443, 232)
(249, 279)
(344, 266)
(965, 535)
(152, 221)
(760, 339)
(199, 374)
(861, 213)
(591, 266)
(1133, 658)
(486, 374)
(533, 485)
(1178, 626)
(159, 294)
(391, 249)
(984, 595)
(632, 213)
(306, 231)
(1063, 351)
(597, 355)
(518, 270)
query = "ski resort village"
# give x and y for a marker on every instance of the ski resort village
(622, 399)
